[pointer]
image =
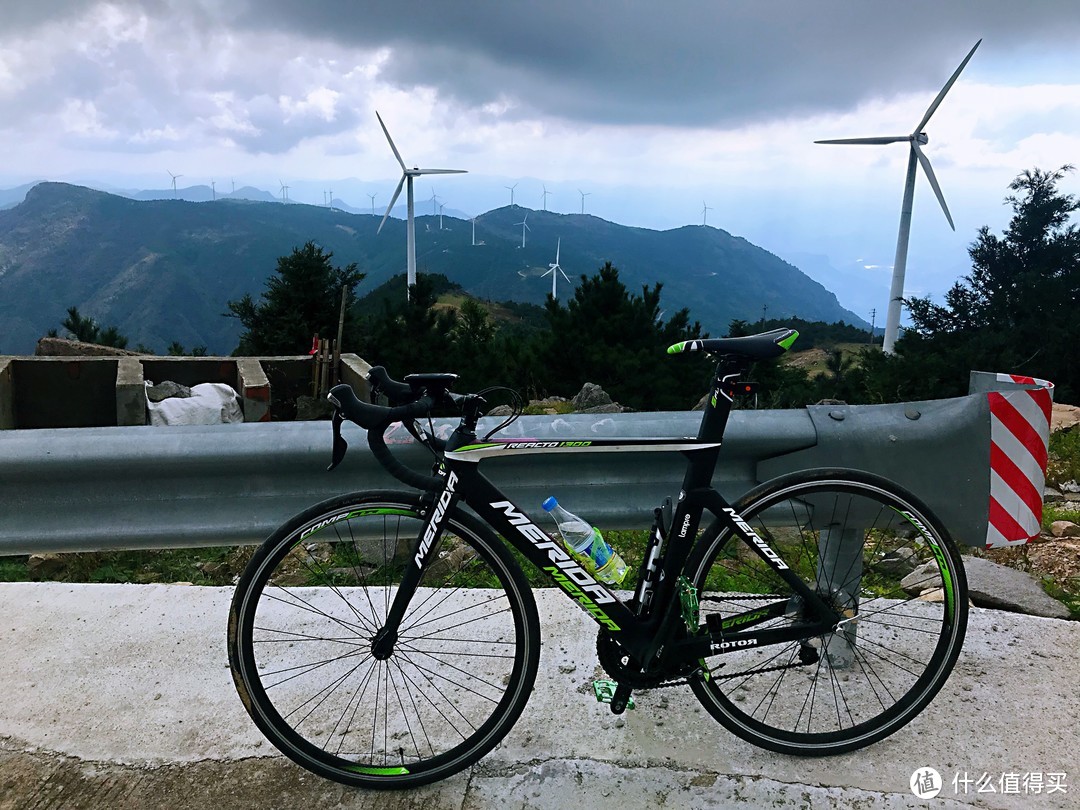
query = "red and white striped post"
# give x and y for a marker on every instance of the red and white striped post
(1019, 434)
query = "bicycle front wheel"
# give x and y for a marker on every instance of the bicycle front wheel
(882, 561)
(308, 609)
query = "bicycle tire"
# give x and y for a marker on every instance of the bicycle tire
(879, 670)
(301, 624)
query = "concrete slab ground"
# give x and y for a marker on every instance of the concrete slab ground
(119, 696)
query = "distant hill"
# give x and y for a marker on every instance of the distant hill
(162, 270)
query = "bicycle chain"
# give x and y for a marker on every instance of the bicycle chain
(639, 681)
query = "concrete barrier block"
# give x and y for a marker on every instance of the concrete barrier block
(7, 398)
(254, 388)
(130, 392)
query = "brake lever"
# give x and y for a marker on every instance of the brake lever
(340, 445)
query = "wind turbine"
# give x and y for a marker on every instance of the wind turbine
(555, 270)
(545, 196)
(473, 221)
(524, 227)
(373, 196)
(407, 176)
(174, 176)
(512, 192)
(916, 139)
(331, 193)
(583, 194)
(705, 209)
(284, 192)
(213, 189)
(441, 207)
(434, 201)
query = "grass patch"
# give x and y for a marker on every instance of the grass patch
(203, 566)
(1064, 461)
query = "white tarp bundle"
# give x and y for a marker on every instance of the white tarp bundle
(209, 404)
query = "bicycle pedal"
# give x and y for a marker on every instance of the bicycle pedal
(605, 693)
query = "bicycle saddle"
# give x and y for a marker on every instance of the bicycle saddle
(763, 346)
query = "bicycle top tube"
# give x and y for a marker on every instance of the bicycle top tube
(420, 394)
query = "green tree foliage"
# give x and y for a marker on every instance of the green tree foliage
(609, 336)
(90, 331)
(1015, 312)
(302, 298)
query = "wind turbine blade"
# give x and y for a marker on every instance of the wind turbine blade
(558, 246)
(925, 162)
(526, 226)
(565, 276)
(874, 141)
(391, 205)
(386, 132)
(548, 273)
(952, 80)
(440, 171)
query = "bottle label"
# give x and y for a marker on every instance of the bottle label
(600, 550)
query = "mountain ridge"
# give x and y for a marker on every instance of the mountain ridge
(163, 270)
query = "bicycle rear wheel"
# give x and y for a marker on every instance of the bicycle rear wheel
(882, 561)
(301, 630)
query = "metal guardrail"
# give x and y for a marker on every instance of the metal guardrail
(143, 487)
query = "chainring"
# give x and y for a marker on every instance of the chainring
(622, 668)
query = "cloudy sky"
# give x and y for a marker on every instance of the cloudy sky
(654, 109)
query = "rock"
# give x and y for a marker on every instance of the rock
(997, 586)
(308, 409)
(590, 396)
(62, 347)
(1063, 417)
(1064, 528)
(42, 566)
(500, 410)
(924, 578)
(1051, 495)
(165, 390)
(898, 562)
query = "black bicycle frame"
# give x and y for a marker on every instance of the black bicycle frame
(651, 635)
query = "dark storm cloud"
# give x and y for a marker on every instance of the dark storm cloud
(691, 62)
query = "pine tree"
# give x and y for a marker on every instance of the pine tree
(302, 299)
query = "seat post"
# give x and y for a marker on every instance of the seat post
(714, 421)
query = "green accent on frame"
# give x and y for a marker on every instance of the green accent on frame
(677, 347)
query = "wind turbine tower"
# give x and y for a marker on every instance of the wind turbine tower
(916, 157)
(511, 193)
(331, 193)
(213, 189)
(545, 196)
(705, 209)
(524, 227)
(407, 176)
(583, 194)
(473, 221)
(554, 271)
(174, 176)
(373, 196)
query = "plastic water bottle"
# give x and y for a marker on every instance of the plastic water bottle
(587, 545)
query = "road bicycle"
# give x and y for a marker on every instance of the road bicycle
(389, 639)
